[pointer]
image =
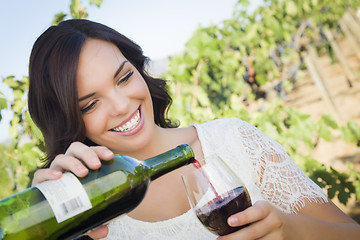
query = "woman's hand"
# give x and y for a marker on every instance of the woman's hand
(266, 222)
(99, 232)
(313, 221)
(77, 159)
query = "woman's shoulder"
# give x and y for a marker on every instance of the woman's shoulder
(218, 131)
(226, 126)
(220, 122)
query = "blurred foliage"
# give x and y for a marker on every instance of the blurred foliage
(208, 79)
(207, 82)
(77, 10)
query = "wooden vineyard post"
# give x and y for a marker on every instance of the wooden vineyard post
(350, 37)
(311, 61)
(350, 76)
(354, 26)
(353, 15)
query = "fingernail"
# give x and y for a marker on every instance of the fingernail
(95, 161)
(108, 153)
(56, 173)
(232, 221)
(80, 167)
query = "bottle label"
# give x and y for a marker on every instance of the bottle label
(66, 196)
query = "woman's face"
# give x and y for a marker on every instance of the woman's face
(114, 99)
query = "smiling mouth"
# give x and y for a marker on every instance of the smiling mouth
(129, 125)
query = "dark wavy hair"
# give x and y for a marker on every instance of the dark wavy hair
(53, 100)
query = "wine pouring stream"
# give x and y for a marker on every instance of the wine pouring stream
(215, 193)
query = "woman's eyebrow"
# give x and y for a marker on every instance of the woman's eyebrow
(119, 69)
(116, 73)
(86, 96)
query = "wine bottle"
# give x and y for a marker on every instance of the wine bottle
(114, 189)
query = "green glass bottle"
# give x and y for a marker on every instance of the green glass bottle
(116, 188)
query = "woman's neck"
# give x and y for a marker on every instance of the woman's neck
(162, 140)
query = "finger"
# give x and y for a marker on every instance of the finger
(69, 163)
(256, 230)
(100, 232)
(89, 155)
(252, 214)
(42, 175)
(267, 228)
(103, 152)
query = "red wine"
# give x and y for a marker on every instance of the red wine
(197, 165)
(215, 213)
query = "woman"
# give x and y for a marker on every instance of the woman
(91, 98)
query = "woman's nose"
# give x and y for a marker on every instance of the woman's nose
(118, 103)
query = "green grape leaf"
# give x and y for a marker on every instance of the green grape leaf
(357, 186)
(10, 81)
(6, 182)
(354, 128)
(202, 97)
(96, 2)
(3, 103)
(347, 135)
(325, 133)
(330, 121)
(332, 191)
(58, 18)
(343, 196)
(313, 165)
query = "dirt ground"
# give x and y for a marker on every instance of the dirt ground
(308, 98)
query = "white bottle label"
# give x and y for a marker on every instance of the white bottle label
(66, 196)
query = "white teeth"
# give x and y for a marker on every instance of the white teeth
(130, 124)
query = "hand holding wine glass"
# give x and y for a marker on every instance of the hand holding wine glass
(215, 193)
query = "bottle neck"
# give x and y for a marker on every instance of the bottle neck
(168, 161)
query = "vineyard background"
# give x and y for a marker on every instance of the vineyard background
(308, 99)
(277, 68)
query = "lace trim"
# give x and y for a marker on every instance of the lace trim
(279, 179)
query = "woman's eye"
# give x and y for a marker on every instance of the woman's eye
(88, 108)
(126, 78)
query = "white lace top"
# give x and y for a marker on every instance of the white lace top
(263, 165)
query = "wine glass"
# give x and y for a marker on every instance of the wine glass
(215, 193)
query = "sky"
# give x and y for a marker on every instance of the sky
(160, 27)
